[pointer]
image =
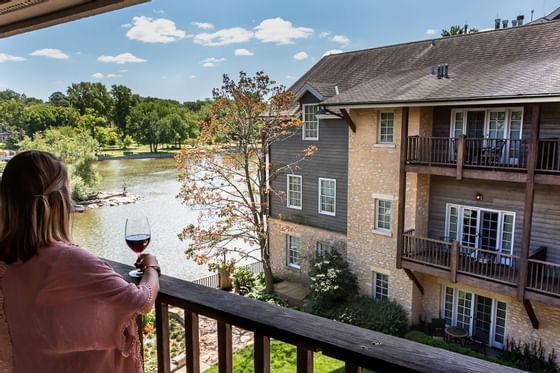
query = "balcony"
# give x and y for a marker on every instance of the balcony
(483, 158)
(482, 268)
(358, 348)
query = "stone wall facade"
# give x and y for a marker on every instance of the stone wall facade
(309, 236)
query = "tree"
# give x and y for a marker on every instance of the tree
(86, 95)
(59, 99)
(457, 30)
(123, 101)
(38, 117)
(145, 124)
(228, 182)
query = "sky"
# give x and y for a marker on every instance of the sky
(179, 49)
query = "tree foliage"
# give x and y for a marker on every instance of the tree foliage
(227, 181)
(457, 30)
(86, 95)
(123, 102)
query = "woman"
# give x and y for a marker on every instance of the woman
(62, 309)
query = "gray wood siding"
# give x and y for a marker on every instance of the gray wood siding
(330, 161)
(500, 196)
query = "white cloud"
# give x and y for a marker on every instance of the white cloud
(97, 76)
(341, 39)
(51, 53)
(11, 58)
(324, 34)
(121, 58)
(300, 56)
(279, 31)
(203, 25)
(243, 52)
(114, 76)
(211, 61)
(159, 11)
(160, 30)
(123, 71)
(193, 76)
(224, 37)
(431, 31)
(332, 51)
(291, 77)
(126, 25)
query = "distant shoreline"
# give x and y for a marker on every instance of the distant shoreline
(137, 156)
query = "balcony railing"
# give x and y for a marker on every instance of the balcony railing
(358, 348)
(548, 158)
(544, 277)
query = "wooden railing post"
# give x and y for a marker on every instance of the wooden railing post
(529, 202)
(262, 353)
(304, 360)
(460, 144)
(225, 351)
(192, 344)
(402, 187)
(352, 368)
(140, 328)
(454, 261)
(162, 337)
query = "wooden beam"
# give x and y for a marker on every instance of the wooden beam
(348, 119)
(529, 202)
(460, 156)
(192, 343)
(352, 368)
(262, 353)
(225, 351)
(162, 337)
(531, 313)
(402, 186)
(304, 360)
(454, 261)
(414, 279)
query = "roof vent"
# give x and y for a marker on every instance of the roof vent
(505, 23)
(513, 23)
(442, 71)
(497, 22)
(520, 19)
(336, 90)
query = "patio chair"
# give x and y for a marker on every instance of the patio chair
(479, 341)
(436, 328)
(492, 154)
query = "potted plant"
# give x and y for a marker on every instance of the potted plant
(224, 269)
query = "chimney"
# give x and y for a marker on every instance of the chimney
(513, 23)
(505, 23)
(520, 19)
(497, 22)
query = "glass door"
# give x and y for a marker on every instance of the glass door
(514, 146)
(482, 319)
(475, 124)
(470, 228)
(500, 325)
(489, 230)
(464, 310)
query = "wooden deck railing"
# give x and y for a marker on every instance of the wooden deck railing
(488, 264)
(548, 157)
(544, 277)
(426, 250)
(431, 150)
(358, 348)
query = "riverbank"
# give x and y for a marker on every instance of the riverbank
(99, 199)
(146, 155)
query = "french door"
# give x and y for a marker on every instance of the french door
(479, 228)
(482, 317)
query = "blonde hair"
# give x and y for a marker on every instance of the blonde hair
(35, 205)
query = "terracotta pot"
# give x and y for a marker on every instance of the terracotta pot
(224, 280)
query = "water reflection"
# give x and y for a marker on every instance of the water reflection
(155, 180)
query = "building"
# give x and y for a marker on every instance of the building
(438, 174)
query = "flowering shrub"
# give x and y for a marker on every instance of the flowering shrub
(331, 280)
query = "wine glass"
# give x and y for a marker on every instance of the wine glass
(137, 236)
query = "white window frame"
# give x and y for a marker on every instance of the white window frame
(289, 191)
(322, 212)
(379, 141)
(507, 110)
(376, 227)
(288, 248)
(454, 306)
(323, 248)
(304, 123)
(379, 295)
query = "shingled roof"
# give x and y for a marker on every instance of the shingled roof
(507, 63)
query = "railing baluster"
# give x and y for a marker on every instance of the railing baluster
(162, 337)
(262, 353)
(352, 368)
(192, 343)
(304, 360)
(225, 351)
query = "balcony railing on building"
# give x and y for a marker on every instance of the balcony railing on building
(358, 348)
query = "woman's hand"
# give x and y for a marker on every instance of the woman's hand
(145, 260)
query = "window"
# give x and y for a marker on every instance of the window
(293, 250)
(380, 286)
(294, 189)
(323, 248)
(310, 123)
(327, 196)
(383, 215)
(385, 128)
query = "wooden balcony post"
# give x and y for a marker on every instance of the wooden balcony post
(454, 261)
(304, 360)
(529, 202)
(460, 160)
(225, 351)
(192, 344)
(352, 368)
(262, 353)
(162, 337)
(402, 187)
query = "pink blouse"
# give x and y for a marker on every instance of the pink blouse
(65, 310)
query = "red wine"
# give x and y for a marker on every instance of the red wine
(138, 242)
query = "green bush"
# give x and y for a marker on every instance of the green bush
(243, 277)
(530, 356)
(259, 293)
(331, 280)
(78, 189)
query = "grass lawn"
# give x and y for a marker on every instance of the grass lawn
(282, 360)
(115, 151)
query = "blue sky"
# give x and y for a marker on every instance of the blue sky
(179, 49)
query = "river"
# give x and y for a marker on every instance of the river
(101, 230)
